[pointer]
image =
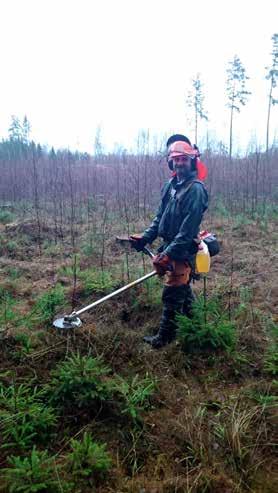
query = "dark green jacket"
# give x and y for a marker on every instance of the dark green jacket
(179, 217)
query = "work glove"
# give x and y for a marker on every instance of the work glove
(137, 242)
(162, 264)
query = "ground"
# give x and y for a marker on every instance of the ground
(208, 426)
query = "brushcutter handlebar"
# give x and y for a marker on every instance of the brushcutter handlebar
(148, 252)
(125, 240)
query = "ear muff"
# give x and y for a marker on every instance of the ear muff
(171, 165)
(181, 138)
(194, 164)
(202, 171)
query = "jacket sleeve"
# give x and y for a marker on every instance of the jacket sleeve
(150, 234)
(193, 208)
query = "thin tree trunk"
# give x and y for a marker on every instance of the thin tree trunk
(196, 126)
(231, 133)
(268, 117)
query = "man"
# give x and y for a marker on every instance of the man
(183, 203)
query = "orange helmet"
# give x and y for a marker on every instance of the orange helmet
(180, 148)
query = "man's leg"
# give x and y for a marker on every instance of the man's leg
(189, 299)
(174, 295)
(173, 298)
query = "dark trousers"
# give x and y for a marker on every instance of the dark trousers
(175, 299)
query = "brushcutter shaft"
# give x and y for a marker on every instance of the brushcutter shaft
(111, 295)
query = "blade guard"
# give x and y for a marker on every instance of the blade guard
(67, 323)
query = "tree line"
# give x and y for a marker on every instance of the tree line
(63, 182)
(237, 93)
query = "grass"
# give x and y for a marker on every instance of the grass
(235, 430)
(271, 360)
(97, 410)
(47, 304)
(135, 394)
(7, 304)
(13, 272)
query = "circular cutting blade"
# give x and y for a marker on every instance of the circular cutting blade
(66, 323)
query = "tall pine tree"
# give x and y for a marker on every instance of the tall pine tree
(236, 92)
(272, 76)
(195, 101)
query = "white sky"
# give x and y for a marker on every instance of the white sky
(71, 65)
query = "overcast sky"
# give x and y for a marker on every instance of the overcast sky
(71, 65)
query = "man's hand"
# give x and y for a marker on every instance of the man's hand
(137, 242)
(162, 263)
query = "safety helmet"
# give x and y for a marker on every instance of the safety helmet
(180, 148)
(177, 137)
(171, 140)
(179, 145)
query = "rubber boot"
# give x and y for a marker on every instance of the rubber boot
(173, 298)
(156, 341)
(167, 330)
(188, 301)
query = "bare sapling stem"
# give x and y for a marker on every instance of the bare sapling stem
(205, 298)
(74, 274)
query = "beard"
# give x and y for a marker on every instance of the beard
(183, 172)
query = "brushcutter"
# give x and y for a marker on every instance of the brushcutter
(73, 321)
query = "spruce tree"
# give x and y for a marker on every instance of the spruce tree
(26, 128)
(15, 129)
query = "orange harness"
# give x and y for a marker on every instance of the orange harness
(180, 274)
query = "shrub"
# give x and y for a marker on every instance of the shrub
(209, 327)
(97, 281)
(6, 217)
(79, 381)
(221, 209)
(33, 474)
(11, 247)
(241, 221)
(90, 245)
(24, 417)
(88, 459)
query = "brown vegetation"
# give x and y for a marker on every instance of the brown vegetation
(211, 422)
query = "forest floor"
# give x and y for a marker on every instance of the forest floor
(206, 425)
